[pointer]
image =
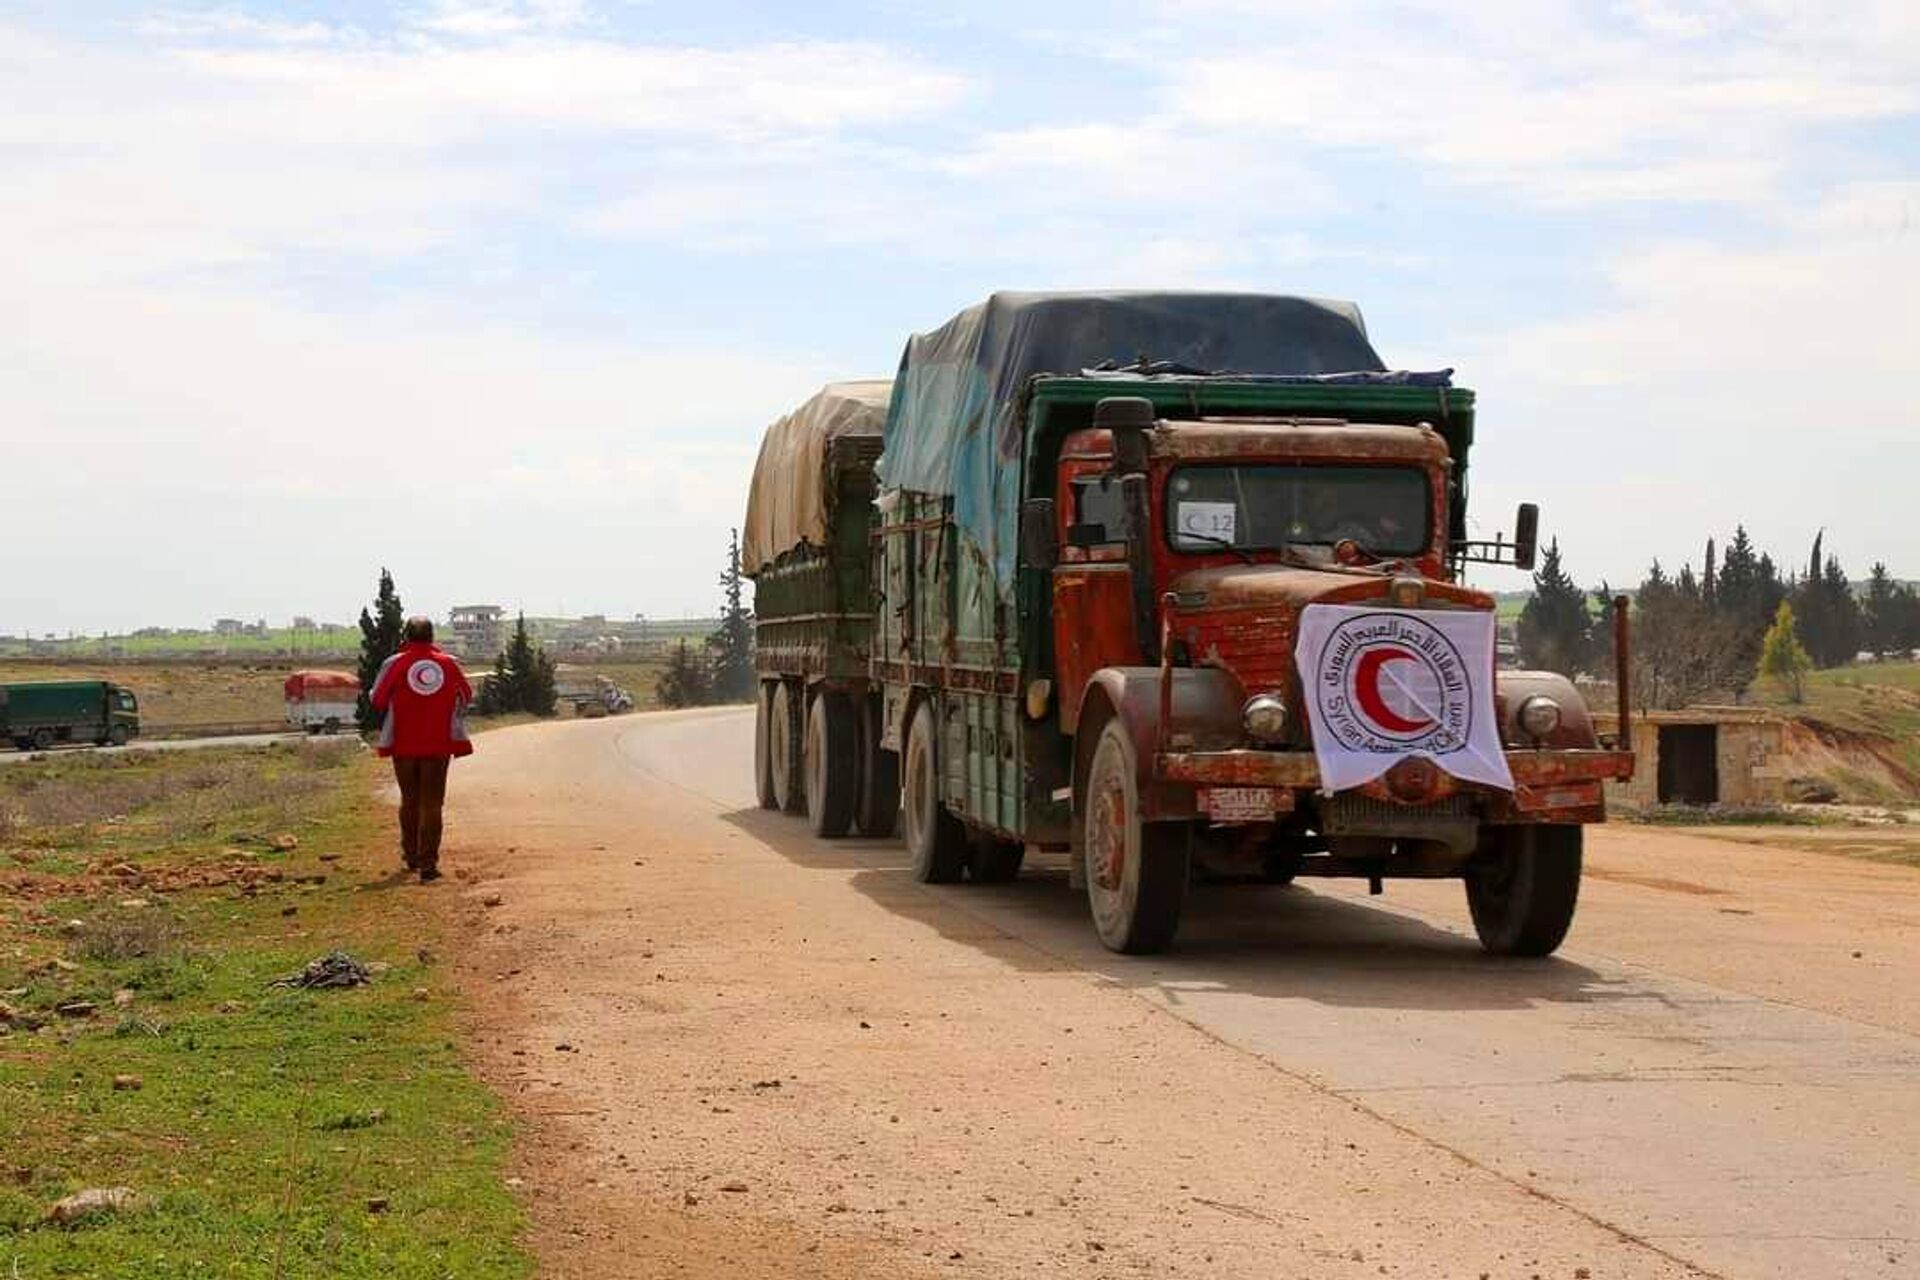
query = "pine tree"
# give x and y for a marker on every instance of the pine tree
(1782, 657)
(685, 682)
(380, 639)
(1553, 630)
(731, 644)
(523, 678)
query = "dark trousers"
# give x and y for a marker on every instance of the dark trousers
(423, 791)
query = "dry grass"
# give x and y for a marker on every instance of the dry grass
(138, 800)
(115, 936)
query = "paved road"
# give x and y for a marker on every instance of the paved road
(1715, 1077)
(10, 756)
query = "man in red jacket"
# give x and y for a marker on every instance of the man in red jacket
(423, 695)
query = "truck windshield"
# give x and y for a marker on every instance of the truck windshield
(1268, 506)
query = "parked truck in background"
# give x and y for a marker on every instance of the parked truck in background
(1172, 582)
(322, 701)
(38, 715)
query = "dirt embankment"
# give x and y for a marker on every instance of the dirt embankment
(1860, 766)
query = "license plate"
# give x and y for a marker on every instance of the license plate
(1238, 804)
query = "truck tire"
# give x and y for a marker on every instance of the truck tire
(877, 811)
(332, 726)
(935, 838)
(119, 735)
(42, 739)
(831, 764)
(783, 745)
(996, 861)
(762, 752)
(1136, 871)
(1523, 885)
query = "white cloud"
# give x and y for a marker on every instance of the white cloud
(1556, 101)
(499, 17)
(1718, 385)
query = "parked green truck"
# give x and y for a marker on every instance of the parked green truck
(43, 714)
(1171, 583)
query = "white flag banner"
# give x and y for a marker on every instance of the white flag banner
(1385, 684)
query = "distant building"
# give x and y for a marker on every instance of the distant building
(228, 627)
(302, 622)
(476, 630)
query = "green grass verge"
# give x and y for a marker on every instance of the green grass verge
(273, 1133)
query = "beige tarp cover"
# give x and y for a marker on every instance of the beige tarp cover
(788, 502)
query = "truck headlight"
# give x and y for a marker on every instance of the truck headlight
(1265, 717)
(1539, 715)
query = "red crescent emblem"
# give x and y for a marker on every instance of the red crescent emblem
(1366, 690)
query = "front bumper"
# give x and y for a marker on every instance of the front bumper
(1559, 786)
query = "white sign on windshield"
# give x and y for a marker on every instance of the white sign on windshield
(1208, 522)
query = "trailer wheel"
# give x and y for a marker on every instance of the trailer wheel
(1136, 871)
(831, 764)
(783, 743)
(1523, 886)
(119, 735)
(42, 739)
(935, 838)
(762, 753)
(332, 725)
(877, 811)
(996, 861)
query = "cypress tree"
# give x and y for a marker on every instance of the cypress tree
(380, 639)
(731, 644)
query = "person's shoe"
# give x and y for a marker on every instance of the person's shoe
(429, 874)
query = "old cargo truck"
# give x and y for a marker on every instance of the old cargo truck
(41, 714)
(1172, 581)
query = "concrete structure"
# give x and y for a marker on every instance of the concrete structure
(1703, 755)
(476, 630)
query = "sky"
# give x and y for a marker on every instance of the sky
(501, 295)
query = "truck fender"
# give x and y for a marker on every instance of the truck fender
(1206, 717)
(1511, 688)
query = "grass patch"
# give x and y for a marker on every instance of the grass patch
(1714, 815)
(267, 1133)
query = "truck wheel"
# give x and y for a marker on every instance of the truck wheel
(1136, 871)
(42, 739)
(877, 811)
(332, 726)
(996, 861)
(762, 753)
(119, 735)
(783, 741)
(935, 838)
(1522, 887)
(830, 764)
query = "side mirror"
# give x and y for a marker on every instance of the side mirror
(1039, 546)
(1129, 418)
(1526, 535)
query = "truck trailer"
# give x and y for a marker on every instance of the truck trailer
(38, 715)
(1171, 582)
